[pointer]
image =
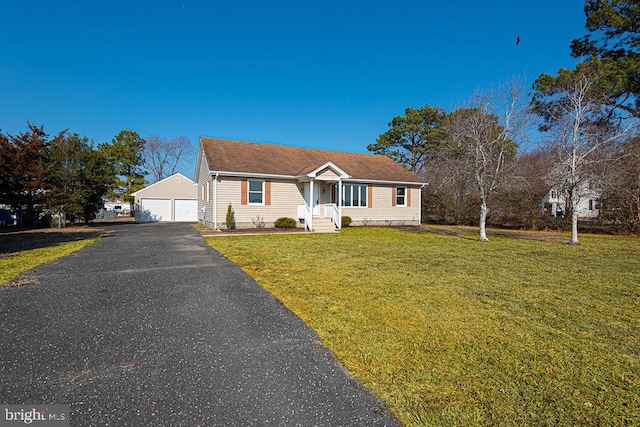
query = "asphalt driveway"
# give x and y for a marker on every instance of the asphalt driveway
(150, 326)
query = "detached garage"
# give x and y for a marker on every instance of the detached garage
(173, 199)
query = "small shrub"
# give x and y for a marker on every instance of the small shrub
(285, 222)
(230, 220)
(258, 222)
(345, 221)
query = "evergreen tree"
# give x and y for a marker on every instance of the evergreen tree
(25, 168)
(411, 137)
(125, 153)
(80, 177)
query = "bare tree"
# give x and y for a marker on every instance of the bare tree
(481, 137)
(163, 157)
(524, 188)
(621, 186)
(449, 198)
(581, 129)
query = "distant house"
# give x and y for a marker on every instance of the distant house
(263, 182)
(117, 206)
(555, 202)
(173, 199)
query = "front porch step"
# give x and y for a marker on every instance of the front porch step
(323, 225)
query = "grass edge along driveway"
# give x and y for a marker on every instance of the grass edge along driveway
(450, 331)
(13, 265)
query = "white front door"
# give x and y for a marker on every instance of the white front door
(312, 198)
(316, 199)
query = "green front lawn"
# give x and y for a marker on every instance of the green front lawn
(450, 331)
(12, 266)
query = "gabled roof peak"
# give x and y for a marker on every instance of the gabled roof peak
(328, 165)
(174, 176)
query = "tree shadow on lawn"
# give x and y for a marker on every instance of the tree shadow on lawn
(463, 232)
(13, 240)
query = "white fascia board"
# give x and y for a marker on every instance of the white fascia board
(251, 175)
(342, 174)
(307, 178)
(373, 181)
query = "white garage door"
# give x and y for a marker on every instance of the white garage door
(152, 210)
(185, 210)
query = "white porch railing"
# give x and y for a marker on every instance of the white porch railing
(304, 212)
(331, 211)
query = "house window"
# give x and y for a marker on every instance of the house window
(208, 193)
(256, 192)
(401, 196)
(354, 195)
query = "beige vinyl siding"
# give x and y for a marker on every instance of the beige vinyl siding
(327, 174)
(382, 211)
(175, 187)
(203, 175)
(285, 198)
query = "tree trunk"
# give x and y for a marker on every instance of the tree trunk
(483, 220)
(574, 227)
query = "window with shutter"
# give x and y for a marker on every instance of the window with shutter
(401, 196)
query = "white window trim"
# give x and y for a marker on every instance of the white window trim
(404, 204)
(366, 195)
(262, 192)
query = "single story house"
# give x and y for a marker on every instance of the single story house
(263, 182)
(173, 199)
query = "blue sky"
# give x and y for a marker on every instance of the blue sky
(322, 74)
